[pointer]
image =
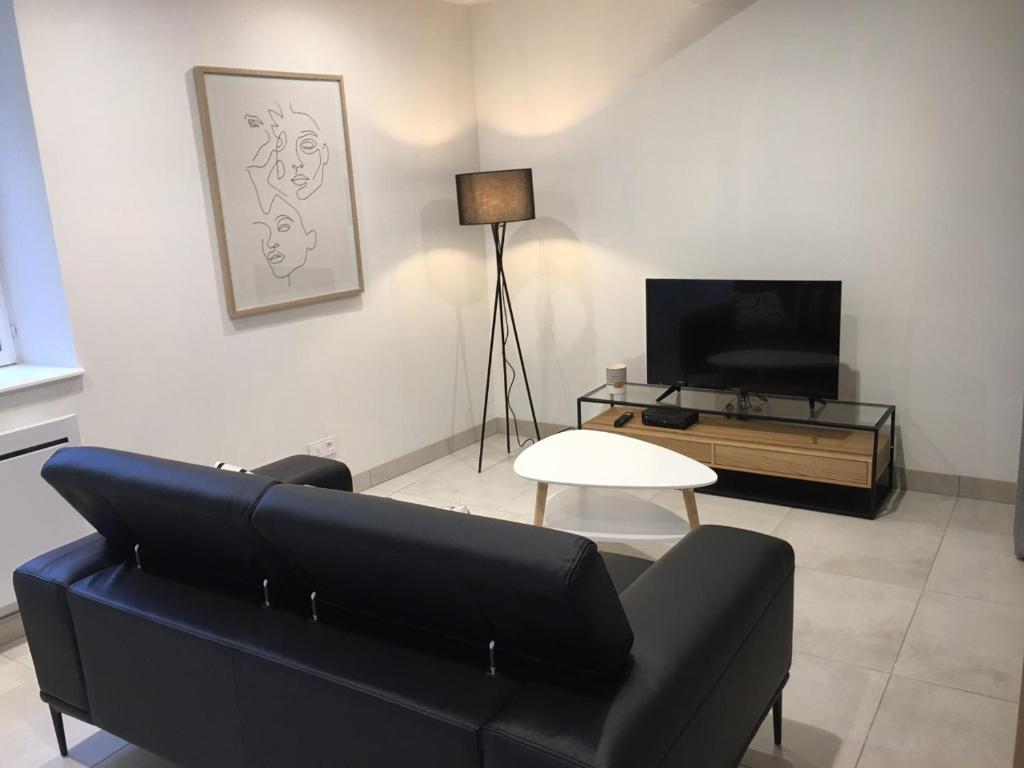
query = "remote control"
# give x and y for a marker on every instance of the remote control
(624, 419)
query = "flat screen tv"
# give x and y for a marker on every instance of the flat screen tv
(757, 336)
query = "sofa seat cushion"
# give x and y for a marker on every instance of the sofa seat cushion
(175, 668)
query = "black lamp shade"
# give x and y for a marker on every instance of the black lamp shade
(493, 197)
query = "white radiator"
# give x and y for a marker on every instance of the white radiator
(33, 517)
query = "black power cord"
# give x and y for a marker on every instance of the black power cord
(520, 442)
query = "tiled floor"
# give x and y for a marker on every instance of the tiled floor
(909, 631)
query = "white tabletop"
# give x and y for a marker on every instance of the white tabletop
(597, 459)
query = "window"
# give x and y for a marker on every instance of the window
(7, 353)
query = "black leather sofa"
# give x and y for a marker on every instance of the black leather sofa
(223, 619)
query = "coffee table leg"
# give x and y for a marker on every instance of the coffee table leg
(690, 500)
(542, 500)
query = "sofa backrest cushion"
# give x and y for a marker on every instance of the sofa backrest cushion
(186, 519)
(539, 594)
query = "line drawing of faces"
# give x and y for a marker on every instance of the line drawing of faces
(255, 121)
(300, 157)
(263, 163)
(284, 240)
(291, 159)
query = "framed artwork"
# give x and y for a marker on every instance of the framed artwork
(280, 168)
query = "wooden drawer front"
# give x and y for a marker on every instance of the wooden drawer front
(823, 469)
(699, 451)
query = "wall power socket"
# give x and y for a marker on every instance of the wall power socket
(327, 446)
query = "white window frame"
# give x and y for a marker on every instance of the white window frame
(8, 352)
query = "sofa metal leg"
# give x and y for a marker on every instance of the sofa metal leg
(777, 719)
(58, 729)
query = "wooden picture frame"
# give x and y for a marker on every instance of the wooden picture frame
(282, 190)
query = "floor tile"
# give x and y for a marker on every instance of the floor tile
(983, 517)
(27, 740)
(976, 558)
(18, 651)
(499, 514)
(133, 757)
(920, 725)
(722, 510)
(918, 507)
(967, 644)
(94, 750)
(13, 674)
(623, 548)
(398, 483)
(849, 627)
(521, 506)
(852, 620)
(887, 549)
(978, 564)
(494, 452)
(404, 480)
(827, 708)
(476, 509)
(422, 501)
(458, 483)
(649, 550)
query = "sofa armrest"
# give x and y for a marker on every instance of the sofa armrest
(41, 587)
(309, 470)
(713, 628)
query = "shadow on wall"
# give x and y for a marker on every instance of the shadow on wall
(455, 274)
(565, 92)
(551, 271)
(254, 322)
(570, 152)
(849, 375)
(849, 383)
(549, 277)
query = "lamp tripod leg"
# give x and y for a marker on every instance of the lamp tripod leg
(487, 384)
(504, 369)
(519, 349)
(498, 231)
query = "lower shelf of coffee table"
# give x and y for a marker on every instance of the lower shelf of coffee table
(604, 514)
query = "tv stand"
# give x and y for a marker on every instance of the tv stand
(743, 405)
(674, 389)
(829, 455)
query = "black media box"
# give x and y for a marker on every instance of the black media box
(673, 418)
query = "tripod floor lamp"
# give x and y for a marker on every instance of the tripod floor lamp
(496, 198)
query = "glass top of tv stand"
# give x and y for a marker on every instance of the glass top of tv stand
(841, 414)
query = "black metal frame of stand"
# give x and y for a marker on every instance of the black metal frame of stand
(806, 494)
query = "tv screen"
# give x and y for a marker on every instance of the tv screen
(758, 336)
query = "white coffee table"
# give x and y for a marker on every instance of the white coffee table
(592, 463)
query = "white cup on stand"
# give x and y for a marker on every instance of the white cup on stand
(616, 378)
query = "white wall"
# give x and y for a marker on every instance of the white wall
(166, 371)
(879, 142)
